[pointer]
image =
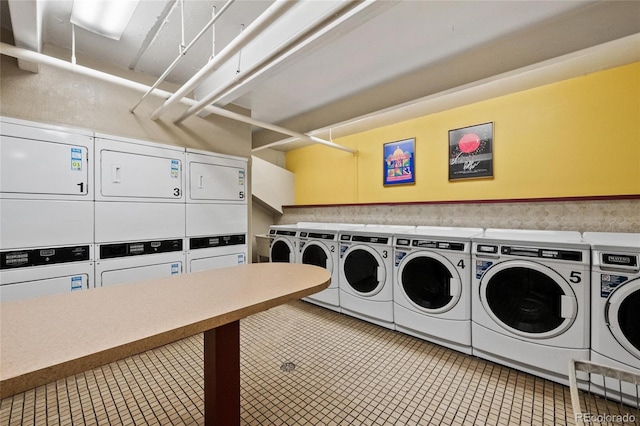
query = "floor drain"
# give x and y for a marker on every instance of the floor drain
(287, 367)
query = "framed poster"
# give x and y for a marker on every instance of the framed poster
(471, 152)
(399, 162)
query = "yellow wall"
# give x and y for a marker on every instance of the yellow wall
(579, 137)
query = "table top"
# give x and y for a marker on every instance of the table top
(48, 338)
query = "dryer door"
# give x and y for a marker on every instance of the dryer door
(364, 270)
(315, 253)
(623, 314)
(430, 282)
(282, 250)
(528, 299)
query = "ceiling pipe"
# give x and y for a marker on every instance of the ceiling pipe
(183, 52)
(277, 9)
(39, 58)
(281, 50)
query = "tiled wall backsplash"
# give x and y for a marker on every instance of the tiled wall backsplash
(595, 216)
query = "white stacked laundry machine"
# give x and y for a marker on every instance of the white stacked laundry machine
(139, 210)
(531, 300)
(615, 309)
(432, 285)
(46, 209)
(216, 210)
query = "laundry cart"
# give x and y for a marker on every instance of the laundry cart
(46, 209)
(139, 210)
(216, 210)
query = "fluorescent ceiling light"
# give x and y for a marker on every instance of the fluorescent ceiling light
(108, 18)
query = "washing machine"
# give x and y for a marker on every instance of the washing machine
(284, 243)
(615, 307)
(128, 262)
(366, 273)
(319, 245)
(216, 251)
(35, 272)
(531, 300)
(432, 285)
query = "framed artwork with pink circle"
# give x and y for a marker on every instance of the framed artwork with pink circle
(471, 152)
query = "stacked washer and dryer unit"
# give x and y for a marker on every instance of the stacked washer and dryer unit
(216, 211)
(82, 210)
(46, 210)
(615, 309)
(139, 210)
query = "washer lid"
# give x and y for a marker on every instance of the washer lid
(620, 241)
(538, 238)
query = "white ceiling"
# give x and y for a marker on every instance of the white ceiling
(377, 54)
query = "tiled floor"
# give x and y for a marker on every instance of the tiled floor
(300, 365)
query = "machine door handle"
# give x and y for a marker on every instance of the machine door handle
(568, 307)
(115, 173)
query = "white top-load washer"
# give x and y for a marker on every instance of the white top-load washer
(366, 272)
(530, 300)
(615, 307)
(284, 243)
(319, 245)
(432, 285)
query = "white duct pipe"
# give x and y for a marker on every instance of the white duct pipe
(282, 49)
(263, 21)
(183, 51)
(39, 58)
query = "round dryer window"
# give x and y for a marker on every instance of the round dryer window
(363, 271)
(429, 283)
(280, 252)
(529, 299)
(313, 254)
(623, 311)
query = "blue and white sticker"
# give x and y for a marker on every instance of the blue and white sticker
(175, 268)
(175, 168)
(241, 259)
(76, 283)
(481, 267)
(609, 282)
(76, 159)
(399, 256)
(241, 177)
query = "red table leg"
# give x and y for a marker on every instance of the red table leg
(222, 375)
